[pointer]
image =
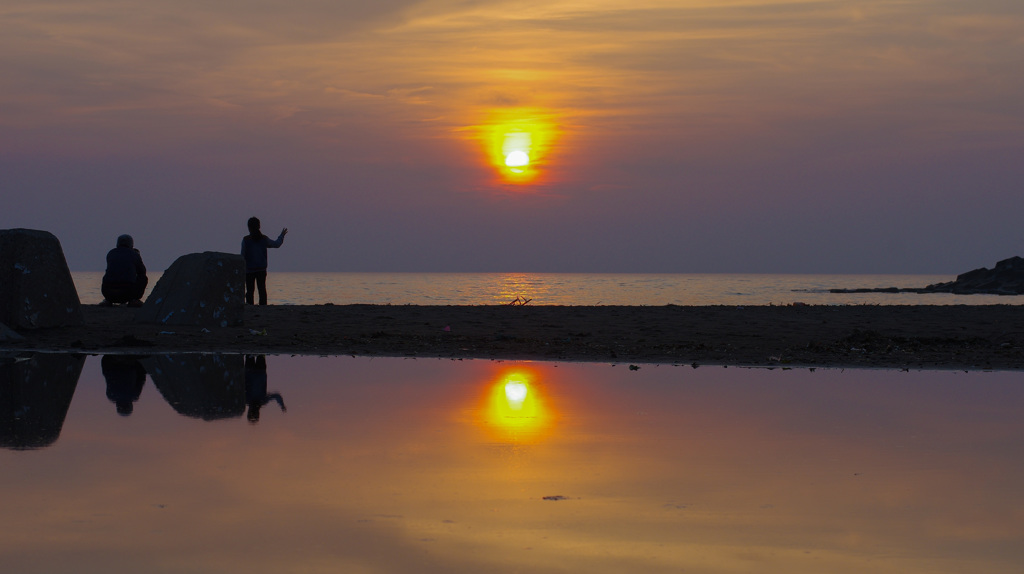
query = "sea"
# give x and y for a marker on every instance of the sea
(222, 463)
(305, 463)
(653, 289)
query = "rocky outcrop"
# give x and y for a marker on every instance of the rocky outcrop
(205, 289)
(36, 289)
(1006, 278)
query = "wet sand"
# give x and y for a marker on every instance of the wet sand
(915, 337)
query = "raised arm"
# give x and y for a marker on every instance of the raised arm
(280, 239)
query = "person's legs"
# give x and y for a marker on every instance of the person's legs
(139, 289)
(116, 293)
(261, 284)
(250, 287)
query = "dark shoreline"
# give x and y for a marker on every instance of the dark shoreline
(864, 336)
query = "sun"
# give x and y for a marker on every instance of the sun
(518, 142)
(517, 158)
(515, 147)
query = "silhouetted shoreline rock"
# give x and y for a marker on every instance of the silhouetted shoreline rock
(204, 289)
(1006, 278)
(36, 288)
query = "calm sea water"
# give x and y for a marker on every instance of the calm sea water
(214, 463)
(587, 289)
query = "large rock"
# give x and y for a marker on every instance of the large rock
(8, 335)
(205, 289)
(36, 289)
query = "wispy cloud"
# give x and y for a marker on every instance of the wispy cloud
(744, 62)
(728, 105)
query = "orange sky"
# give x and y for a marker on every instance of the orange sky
(753, 132)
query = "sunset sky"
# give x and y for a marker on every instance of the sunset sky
(817, 136)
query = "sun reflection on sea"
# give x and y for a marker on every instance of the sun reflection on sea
(515, 409)
(518, 288)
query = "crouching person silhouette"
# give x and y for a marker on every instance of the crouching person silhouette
(125, 278)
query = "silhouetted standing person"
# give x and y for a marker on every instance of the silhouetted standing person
(125, 278)
(254, 250)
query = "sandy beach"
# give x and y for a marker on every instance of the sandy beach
(914, 337)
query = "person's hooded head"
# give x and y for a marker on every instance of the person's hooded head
(254, 227)
(125, 241)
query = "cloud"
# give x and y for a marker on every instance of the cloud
(726, 109)
(730, 66)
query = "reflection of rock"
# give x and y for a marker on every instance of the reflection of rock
(198, 289)
(208, 387)
(35, 394)
(1007, 278)
(36, 289)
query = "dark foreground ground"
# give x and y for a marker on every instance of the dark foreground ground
(916, 337)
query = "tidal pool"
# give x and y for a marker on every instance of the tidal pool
(225, 463)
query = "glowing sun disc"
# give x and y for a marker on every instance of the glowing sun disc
(517, 158)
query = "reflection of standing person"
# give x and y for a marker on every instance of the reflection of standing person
(125, 278)
(256, 387)
(254, 250)
(125, 377)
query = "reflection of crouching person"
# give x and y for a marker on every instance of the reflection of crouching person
(125, 377)
(125, 280)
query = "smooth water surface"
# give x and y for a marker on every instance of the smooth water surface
(588, 289)
(337, 464)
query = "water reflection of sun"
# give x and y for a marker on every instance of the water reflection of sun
(515, 409)
(517, 142)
